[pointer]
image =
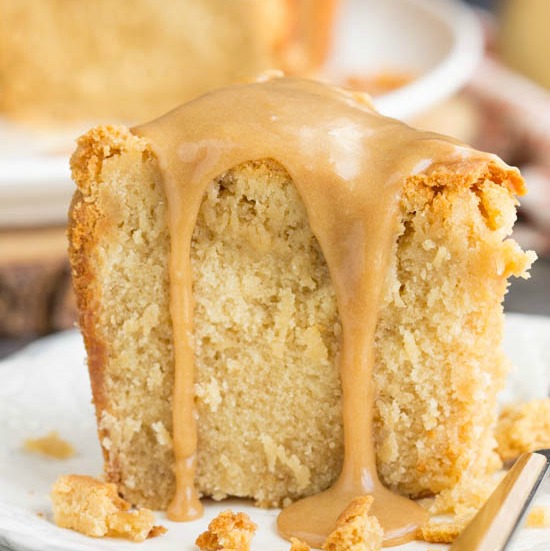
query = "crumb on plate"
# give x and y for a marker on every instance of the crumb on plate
(523, 427)
(539, 517)
(467, 496)
(445, 531)
(356, 530)
(94, 508)
(51, 445)
(227, 532)
(298, 545)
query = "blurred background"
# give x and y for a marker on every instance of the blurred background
(479, 71)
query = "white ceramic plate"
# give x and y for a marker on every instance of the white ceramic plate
(438, 40)
(45, 387)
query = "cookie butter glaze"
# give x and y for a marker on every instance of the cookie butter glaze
(348, 164)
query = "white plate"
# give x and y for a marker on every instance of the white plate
(45, 387)
(438, 40)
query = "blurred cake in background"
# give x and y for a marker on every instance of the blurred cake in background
(134, 59)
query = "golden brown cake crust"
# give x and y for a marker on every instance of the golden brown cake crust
(81, 242)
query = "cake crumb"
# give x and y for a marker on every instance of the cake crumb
(539, 517)
(227, 532)
(298, 545)
(468, 496)
(356, 530)
(156, 531)
(446, 531)
(51, 445)
(94, 508)
(523, 427)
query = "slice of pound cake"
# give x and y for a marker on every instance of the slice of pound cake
(282, 291)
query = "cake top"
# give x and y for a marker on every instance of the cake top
(301, 123)
(303, 118)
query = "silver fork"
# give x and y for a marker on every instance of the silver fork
(496, 523)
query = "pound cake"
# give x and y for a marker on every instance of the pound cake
(135, 59)
(282, 291)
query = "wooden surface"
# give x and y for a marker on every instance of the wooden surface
(35, 286)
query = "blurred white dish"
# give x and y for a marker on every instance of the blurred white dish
(437, 40)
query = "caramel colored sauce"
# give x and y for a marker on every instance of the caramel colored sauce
(348, 164)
